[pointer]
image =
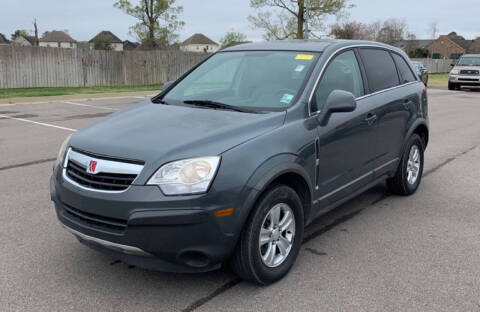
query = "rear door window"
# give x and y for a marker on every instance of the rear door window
(405, 72)
(380, 69)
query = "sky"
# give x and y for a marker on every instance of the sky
(85, 18)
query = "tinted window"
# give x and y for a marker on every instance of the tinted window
(380, 69)
(403, 68)
(343, 73)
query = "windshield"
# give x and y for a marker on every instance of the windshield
(469, 61)
(259, 80)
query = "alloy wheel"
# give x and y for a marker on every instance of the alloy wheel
(413, 165)
(276, 235)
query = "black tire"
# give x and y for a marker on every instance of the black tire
(451, 86)
(247, 262)
(399, 183)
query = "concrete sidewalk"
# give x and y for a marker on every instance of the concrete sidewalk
(77, 97)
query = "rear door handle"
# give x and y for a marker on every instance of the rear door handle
(371, 118)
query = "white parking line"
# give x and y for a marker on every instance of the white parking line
(37, 123)
(82, 99)
(88, 105)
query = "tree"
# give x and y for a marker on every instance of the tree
(158, 21)
(419, 53)
(18, 33)
(434, 29)
(232, 38)
(453, 35)
(373, 30)
(351, 30)
(35, 27)
(102, 45)
(285, 19)
(412, 45)
(392, 31)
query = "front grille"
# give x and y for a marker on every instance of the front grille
(95, 220)
(101, 181)
(467, 79)
(469, 72)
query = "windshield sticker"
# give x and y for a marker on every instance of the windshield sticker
(299, 68)
(305, 57)
(286, 98)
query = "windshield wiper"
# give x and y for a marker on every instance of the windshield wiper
(213, 104)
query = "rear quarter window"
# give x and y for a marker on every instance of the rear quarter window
(405, 72)
(380, 69)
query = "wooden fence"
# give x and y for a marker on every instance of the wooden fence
(436, 65)
(31, 67)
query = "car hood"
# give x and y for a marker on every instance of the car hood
(157, 133)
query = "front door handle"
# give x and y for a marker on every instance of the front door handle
(371, 118)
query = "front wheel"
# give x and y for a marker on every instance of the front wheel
(410, 170)
(271, 239)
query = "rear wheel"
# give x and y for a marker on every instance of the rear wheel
(271, 239)
(410, 170)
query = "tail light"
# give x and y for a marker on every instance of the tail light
(424, 87)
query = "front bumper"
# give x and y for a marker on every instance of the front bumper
(465, 80)
(141, 230)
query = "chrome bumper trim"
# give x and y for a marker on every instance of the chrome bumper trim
(109, 245)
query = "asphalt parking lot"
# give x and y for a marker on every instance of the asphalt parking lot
(375, 253)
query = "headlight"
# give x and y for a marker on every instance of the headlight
(455, 72)
(61, 152)
(188, 176)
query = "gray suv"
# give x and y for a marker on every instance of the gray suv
(466, 72)
(232, 160)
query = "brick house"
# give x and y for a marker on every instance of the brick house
(448, 46)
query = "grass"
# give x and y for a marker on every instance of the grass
(438, 80)
(36, 92)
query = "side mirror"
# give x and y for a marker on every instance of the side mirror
(337, 102)
(167, 84)
(453, 64)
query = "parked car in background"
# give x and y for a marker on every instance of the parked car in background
(466, 72)
(231, 161)
(421, 71)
